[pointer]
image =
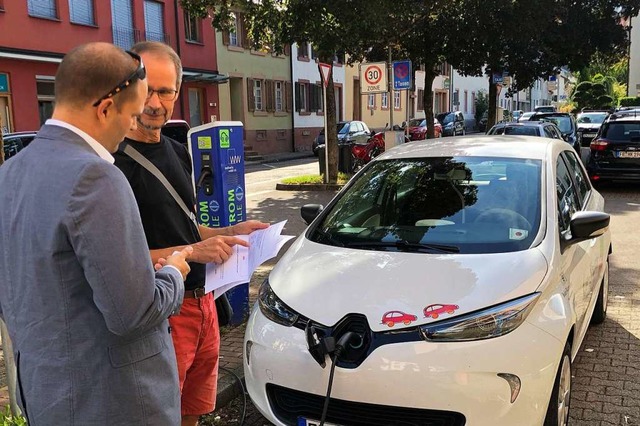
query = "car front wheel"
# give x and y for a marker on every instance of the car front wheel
(558, 410)
(600, 311)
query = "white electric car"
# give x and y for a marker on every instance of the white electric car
(457, 279)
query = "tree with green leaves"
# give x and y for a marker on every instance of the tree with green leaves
(592, 95)
(532, 40)
(331, 26)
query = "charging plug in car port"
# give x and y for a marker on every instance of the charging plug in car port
(321, 346)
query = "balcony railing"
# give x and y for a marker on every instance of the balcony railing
(126, 37)
(154, 36)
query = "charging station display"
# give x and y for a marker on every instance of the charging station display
(217, 152)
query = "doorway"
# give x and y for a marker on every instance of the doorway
(237, 97)
(357, 112)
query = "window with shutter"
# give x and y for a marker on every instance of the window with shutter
(42, 8)
(313, 103)
(226, 38)
(246, 40)
(258, 93)
(153, 21)
(122, 23)
(279, 96)
(268, 95)
(250, 97)
(81, 12)
(287, 95)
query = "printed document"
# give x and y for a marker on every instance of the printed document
(264, 244)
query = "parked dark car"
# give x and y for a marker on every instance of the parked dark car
(176, 130)
(528, 128)
(452, 123)
(615, 151)
(15, 142)
(565, 122)
(589, 123)
(545, 108)
(348, 132)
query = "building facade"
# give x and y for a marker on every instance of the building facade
(308, 117)
(37, 33)
(258, 93)
(377, 110)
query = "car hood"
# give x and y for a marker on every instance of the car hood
(326, 283)
(417, 129)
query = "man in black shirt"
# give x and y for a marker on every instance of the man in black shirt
(195, 330)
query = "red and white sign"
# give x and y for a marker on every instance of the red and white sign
(325, 71)
(373, 78)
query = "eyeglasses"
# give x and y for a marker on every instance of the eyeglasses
(163, 94)
(139, 74)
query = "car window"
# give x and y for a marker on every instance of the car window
(568, 201)
(475, 204)
(521, 130)
(497, 131)
(579, 175)
(621, 131)
(548, 132)
(563, 122)
(365, 127)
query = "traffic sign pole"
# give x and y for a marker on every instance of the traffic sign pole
(325, 70)
(391, 98)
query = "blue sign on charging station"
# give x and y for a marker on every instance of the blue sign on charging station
(217, 151)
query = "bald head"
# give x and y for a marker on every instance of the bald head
(90, 71)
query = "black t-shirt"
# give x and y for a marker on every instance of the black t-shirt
(164, 222)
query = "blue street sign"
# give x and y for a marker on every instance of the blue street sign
(401, 75)
(498, 78)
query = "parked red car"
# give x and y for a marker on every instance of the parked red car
(434, 311)
(418, 129)
(393, 317)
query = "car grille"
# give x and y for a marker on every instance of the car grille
(288, 405)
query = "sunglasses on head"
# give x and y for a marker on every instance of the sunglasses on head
(139, 74)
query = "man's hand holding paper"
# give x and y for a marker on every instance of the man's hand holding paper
(261, 245)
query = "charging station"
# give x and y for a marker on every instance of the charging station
(217, 153)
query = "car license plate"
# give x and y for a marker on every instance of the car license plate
(308, 422)
(628, 154)
(589, 135)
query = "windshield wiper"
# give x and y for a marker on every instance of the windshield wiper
(329, 238)
(406, 246)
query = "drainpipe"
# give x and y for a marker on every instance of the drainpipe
(293, 109)
(175, 11)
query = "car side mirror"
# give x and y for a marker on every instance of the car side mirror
(310, 211)
(586, 225)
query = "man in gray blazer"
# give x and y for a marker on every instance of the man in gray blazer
(85, 309)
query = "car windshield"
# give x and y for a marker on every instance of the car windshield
(418, 122)
(341, 128)
(621, 131)
(445, 118)
(515, 130)
(591, 117)
(562, 121)
(441, 204)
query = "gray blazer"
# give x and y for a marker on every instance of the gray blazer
(87, 316)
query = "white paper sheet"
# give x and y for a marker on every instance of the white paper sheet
(264, 244)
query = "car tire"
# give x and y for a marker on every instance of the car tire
(434, 316)
(558, 409)
(406, 322)
(390, 324)
(450, 312)
(600, 310)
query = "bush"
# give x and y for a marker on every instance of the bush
(629, 101)
(8, 419)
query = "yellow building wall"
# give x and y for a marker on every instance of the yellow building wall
(265, 132)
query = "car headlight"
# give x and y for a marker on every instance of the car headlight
(485, 324)
(448, 125)
(273, 308)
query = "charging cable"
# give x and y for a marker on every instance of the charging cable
(206, 172)
(340, 346)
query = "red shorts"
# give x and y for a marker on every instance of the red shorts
(196, 338)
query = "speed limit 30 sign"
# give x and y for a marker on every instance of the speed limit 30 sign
(373, 78)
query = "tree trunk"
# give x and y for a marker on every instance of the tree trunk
(492, 117)
(331, 138)
(427, 101)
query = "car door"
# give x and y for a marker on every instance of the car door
(597, 248)
(575, 260)
(361, 135)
